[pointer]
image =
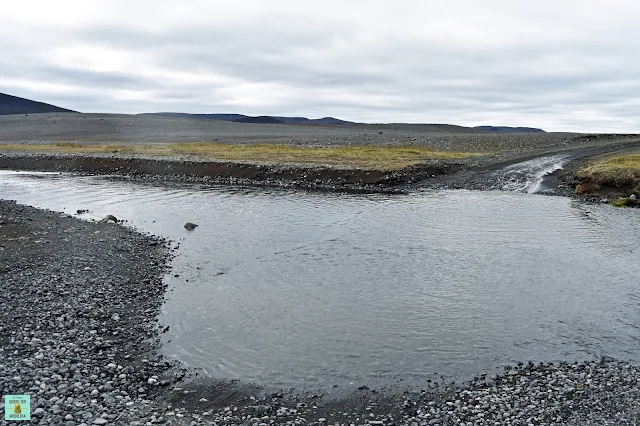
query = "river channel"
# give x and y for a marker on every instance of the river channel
(301, 289)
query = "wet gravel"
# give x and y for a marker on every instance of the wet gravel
(602, 392)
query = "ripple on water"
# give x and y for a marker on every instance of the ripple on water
(292, 288)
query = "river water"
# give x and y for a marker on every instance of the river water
(313, 290)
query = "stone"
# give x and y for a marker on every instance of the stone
(633, 197)
(109, 218)
(189, 226)
(100, 421)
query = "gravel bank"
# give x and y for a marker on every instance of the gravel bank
(78, 311)
(476, 172)
(604, 392)
(197, 170)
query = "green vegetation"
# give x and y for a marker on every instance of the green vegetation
(623, 202)
(617, 172)
(374, 158)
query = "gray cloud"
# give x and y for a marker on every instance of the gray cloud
(467, 62)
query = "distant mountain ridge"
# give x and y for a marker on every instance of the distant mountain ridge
(15, 105)
(507, 129)
(265, 119)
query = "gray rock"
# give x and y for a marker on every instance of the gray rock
(100, 421)
(189, 226)
(109, 218)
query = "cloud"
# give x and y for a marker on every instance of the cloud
(546, 64)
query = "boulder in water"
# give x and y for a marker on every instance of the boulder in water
(190, 226)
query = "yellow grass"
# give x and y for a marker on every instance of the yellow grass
(623, 170)
(380, 158)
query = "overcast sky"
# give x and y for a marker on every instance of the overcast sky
(561, 65)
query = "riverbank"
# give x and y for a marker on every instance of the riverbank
(342, 177)
(613, 178)
(383, 169)
(78, 317)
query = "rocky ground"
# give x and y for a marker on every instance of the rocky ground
(143, 129)
(78, 307)
(492, 174)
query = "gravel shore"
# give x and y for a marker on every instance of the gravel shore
(78, 317)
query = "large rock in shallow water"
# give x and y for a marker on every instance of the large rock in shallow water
(190, 226)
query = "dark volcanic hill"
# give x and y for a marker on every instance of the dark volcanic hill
(264, 119)
(506, 129)
(15, 105)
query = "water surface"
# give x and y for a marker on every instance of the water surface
(306, 289)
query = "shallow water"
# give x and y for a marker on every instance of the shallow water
(305, 289)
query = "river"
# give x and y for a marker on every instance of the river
(301, 289)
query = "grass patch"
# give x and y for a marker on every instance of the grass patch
(379, 158)
(623, 202)
(619, 172)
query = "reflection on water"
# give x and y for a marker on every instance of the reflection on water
(292, 288)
